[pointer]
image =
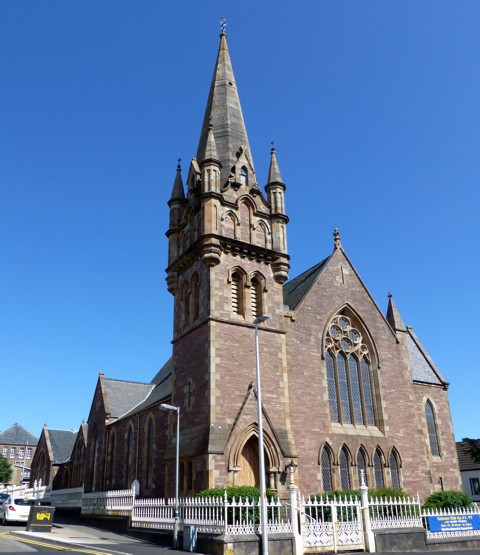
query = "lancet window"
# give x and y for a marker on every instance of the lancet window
(348, 361)
(362, 466)
(237, 293)
(149, 440)
(326, 466)
(243, 175)
(256, 297)
(378, 468)
(345, 469)
(432, 429)
(394, 470)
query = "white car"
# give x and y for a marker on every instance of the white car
(15, 509)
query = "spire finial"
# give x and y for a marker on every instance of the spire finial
(223, 24)
(336, 238)
(179, 167)
(273, 144)
(390, 295)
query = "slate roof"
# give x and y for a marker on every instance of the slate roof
(161, 392)
(17, 435)
(121, 396)
(295, 289)
(422, 367)
(465, 461)
(62, 442)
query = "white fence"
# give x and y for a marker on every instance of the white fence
(109, 503)
(70, 498)
(37, 492)
(402, 512)
(212, 515)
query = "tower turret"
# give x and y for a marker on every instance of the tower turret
(176, 204)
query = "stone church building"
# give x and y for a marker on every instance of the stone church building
(344, 387)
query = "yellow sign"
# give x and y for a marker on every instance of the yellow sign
(42, 516)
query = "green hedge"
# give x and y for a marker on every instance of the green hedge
(355, 493)
(448, 500)
(250, 493)
(245, 492)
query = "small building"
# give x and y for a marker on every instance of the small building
(53, 450)
(18, 446)
(469, 472)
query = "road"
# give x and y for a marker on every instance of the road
(81, 539)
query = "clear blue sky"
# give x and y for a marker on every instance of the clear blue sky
(375, 111)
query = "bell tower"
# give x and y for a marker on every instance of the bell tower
(227, 261)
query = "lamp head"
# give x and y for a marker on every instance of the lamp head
(166, 406)
(260, 319)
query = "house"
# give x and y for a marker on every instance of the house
(469, 472)
(18, 446)
(53, 451)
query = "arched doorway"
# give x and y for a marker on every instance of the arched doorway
(248, 464)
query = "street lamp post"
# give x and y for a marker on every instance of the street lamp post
(261, 456)
(165, 406)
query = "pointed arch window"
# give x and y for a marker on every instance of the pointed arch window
(345, 469)
(243, 175)
(378, 469)
(349, 367)
(195, 297)
(149, 439)
(326, 466)
(394, 471)
(111, 460)
(432, 429)
(256, 297)
(129, 457)
(237, 282)
(186, 303)
(362, 466)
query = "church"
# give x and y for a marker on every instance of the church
(345, 388)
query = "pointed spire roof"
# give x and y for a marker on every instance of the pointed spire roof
(393, 316)
(224, 113)
(211, 148)
(274, 171)
(178, 192)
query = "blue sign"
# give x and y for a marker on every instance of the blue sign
(454, 523)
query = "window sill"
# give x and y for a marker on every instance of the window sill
(351, 429)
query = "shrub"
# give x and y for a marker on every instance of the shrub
(355, 493)
(345, 513)
(387, 492)
(246, 493)
(338, 494)
(448, 500)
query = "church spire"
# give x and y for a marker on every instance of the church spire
(211, 147)
(178, 192)
(393, 316)
(274, 172)
(224, 113)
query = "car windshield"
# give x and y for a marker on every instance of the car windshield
(21, 501)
